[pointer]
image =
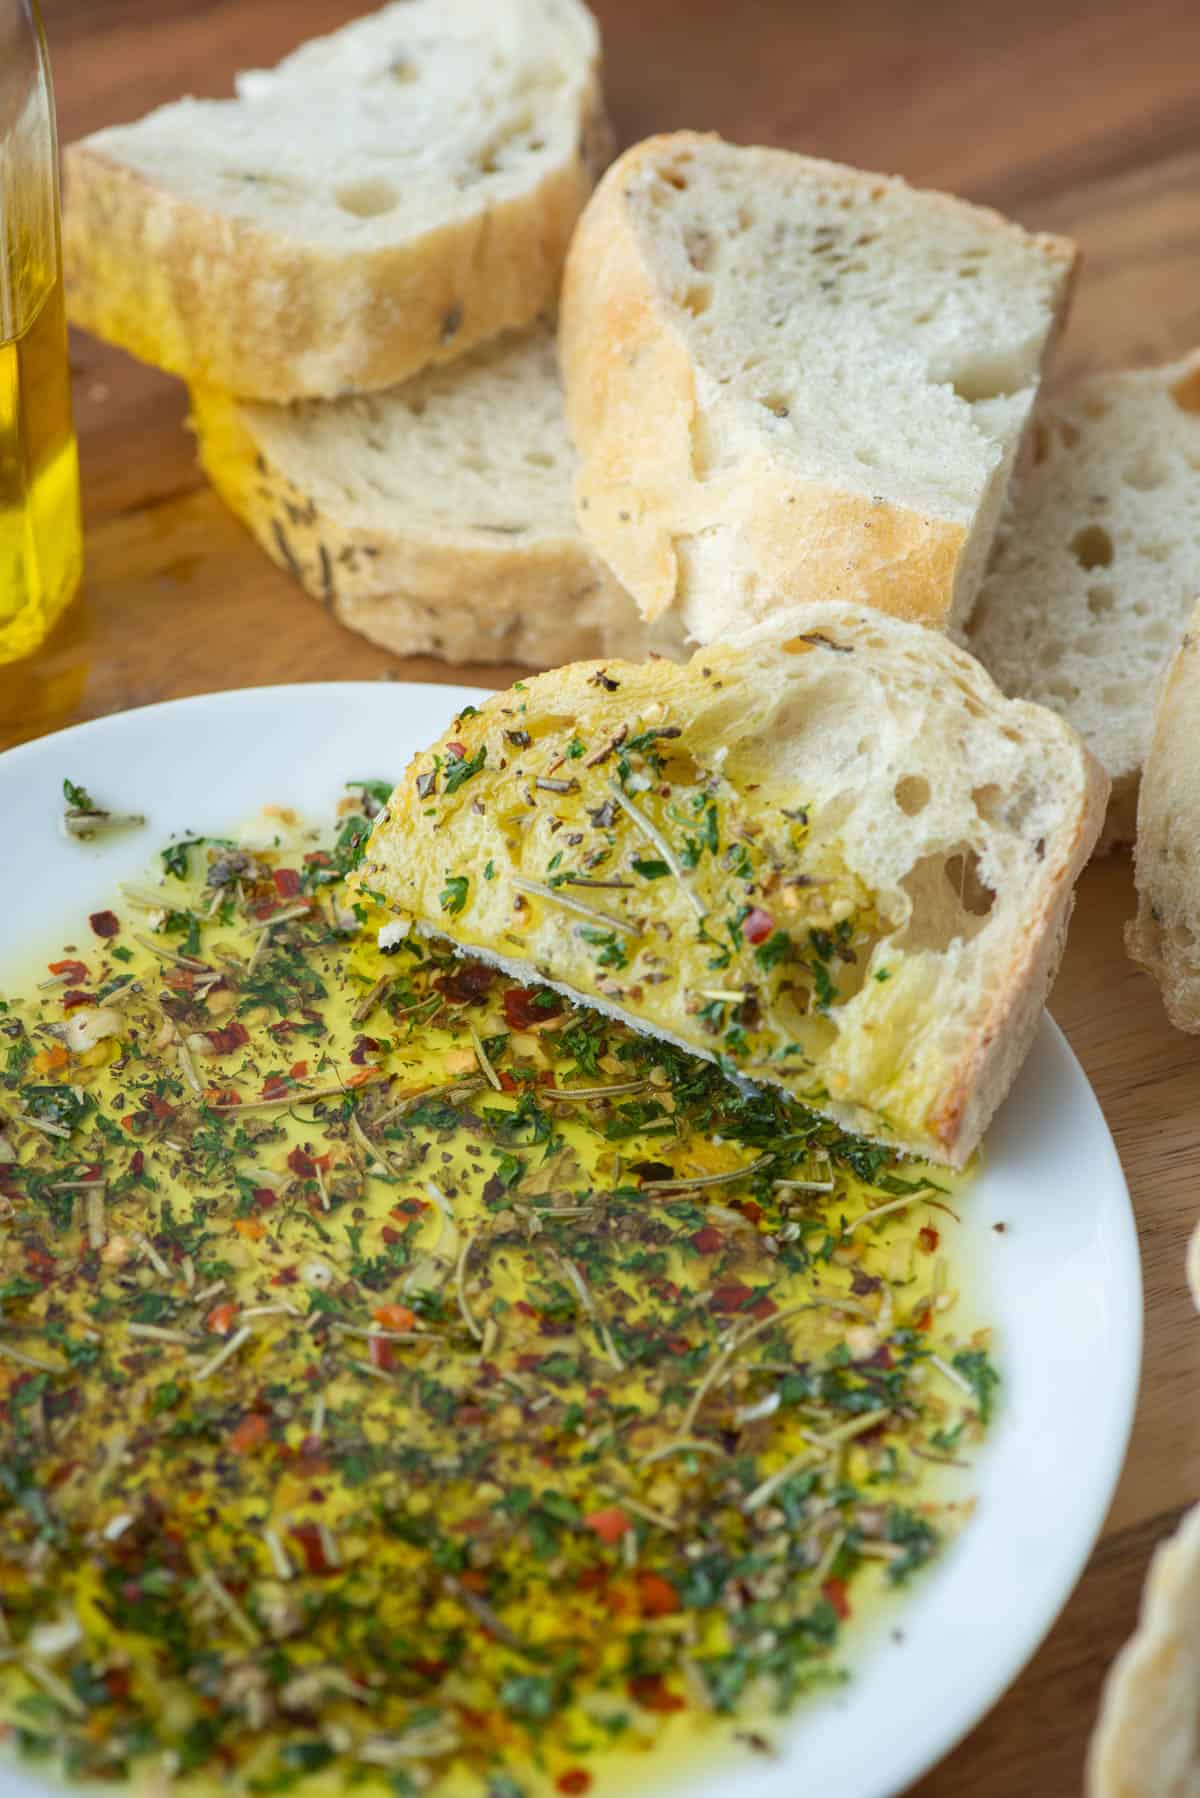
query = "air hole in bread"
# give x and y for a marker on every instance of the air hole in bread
(1100, 600)
(1061, 688)
(951, 902)
(1068, 432)
(1092, 547)
(367, 199)
(984, 382)
(988, 802)
(912, 794)
(403, 70)
(776, 403)
(675, 179)
(1146, 473)
(539, 459)
(699, 247)
(697, 299)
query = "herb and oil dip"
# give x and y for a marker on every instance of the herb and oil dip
(409, 1379)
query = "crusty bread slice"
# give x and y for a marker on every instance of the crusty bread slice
(1096, 571)
(789, 380)
(1165, 935)
(435, 517)
(386, 198)
(828, 854)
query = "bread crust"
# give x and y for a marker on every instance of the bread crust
(944, 1029)
(633, 409)
(538, 602)
(1164, 937)
(223, 302)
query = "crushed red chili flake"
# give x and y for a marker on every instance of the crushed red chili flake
(650, 1690)
(228, 1038)
(70, 970)
(298, 1071)
(834, 1592)
(274, 1086)
(382, 1353)
(656, 1595)
(73, 998)
(574, 1782)
(307, 1538)
(105, 923)
(286, 882)
(707, 1240)
(525, 1006)
(757, 925)
(363, 1046)
(928, 1238)
(302, 1164)
(467, 984)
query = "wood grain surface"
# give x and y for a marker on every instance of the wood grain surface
(1075, 118)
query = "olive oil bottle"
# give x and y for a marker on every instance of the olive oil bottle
(41, 550)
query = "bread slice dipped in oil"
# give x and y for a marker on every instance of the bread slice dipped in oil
(827, 853)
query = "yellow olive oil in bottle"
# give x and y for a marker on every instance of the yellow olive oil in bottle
(41, 549)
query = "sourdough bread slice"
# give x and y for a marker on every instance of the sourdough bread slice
(1096, 571)
(436, 517)
(789, 380)
(386, 198)
(1165, 935)
(828, 854)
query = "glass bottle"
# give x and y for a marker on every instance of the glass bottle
(41, 544)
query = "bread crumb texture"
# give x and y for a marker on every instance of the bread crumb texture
(792, 380)
(387, 197)
(434, 517)
(1097, 569)
(1165, 935)
(828, 854)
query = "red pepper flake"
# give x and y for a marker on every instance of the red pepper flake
(118, 1682)
(264, 908)
(363, 1046)
(410, 1207)
(395, 1317)
(308, 1539)
(301, 1164)
(524, 1307)
(72, 970)
(834, 1593)
(763, 1307)
(657, 1595)
(317, 858)
(678, 1345)
(249, 1434)
(925, 1320)
(525, 1006)
(220, 1318)
(264, 1198)
(298, 1071)
(750, 1210)
(286, 882)
(466, 984)
(226, 1040)
(287, 1276)
(274, 1086)
(137, 1163)
(928, 1238)
(455, 751)
(73, 998)
(650, 1691)
(732, 1297)
(757, 925)
(391, 1236)
(707, 1241)
(382, 1353)
(609, 1524)
(574, 1782)
(105, 923)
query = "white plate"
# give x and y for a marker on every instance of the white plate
(1062, 1282)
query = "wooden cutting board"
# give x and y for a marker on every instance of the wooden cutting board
(1074, 119)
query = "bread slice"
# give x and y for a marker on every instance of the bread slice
(1093, 581)
(827, 854)
(789, 380)
(436, 517)
(1165, 935)
(386, 198)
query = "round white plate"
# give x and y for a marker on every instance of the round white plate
(1061, 1282)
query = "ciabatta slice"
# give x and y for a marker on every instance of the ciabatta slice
(828, 854)
(1096, 572)
(790, 380)
(386, 197)
(1165, 935)
(435, 517)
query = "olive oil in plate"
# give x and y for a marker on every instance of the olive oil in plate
(41, 548)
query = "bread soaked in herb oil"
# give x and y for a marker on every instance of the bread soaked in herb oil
(828, 854)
